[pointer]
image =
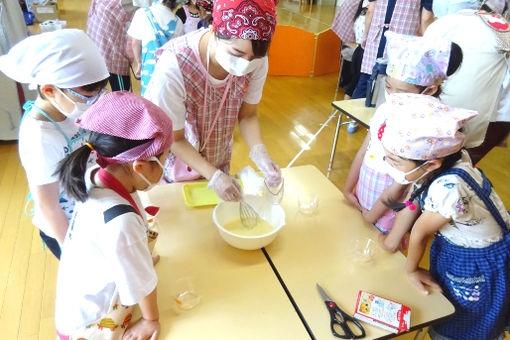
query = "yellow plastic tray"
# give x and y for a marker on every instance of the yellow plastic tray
(196, 194)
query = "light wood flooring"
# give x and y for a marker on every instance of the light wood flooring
(292, 109)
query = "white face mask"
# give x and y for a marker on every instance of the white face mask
(79, 108)
(235, 65)
(400, 176)
(152, 185)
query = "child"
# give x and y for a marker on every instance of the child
(404, 17)
(192, 16)
(349, 25)
(453, 200)
(107, 22)
(70, 76)
(205, 7)
(106, 265)
(415, 65)
(150, 29)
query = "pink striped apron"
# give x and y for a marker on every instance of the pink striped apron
(209, 126)
(343, 23)
(406, 19)
(371, 184)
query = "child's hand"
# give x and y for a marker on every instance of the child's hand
(352, 199)
(422, 277)
(143, 330)
(383, 242)
(367, 216)
(138, 72)
(387, 242)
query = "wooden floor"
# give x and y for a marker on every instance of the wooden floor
(291, 111)
(310, 17)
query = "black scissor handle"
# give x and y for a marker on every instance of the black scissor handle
(348, 333)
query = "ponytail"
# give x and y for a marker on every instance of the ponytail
(448, 162)
(71, 171)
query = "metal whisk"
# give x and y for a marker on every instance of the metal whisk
(249, 217)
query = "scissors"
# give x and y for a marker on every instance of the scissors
(342, 319)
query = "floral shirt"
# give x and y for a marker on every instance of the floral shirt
(471, 225)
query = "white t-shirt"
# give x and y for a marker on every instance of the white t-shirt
(444, 7)
(502, 114)
(141, 29)
(41, 147)
(102, 262)
(166, 88)
(478, 83)
(472, 224)
(359, 26)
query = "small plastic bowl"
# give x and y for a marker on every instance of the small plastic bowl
(226, 211)
(307, 203)
(363, 249)
(186, 296)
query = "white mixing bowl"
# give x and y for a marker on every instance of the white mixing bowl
(226, 211)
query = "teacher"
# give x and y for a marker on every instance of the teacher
(208, 80)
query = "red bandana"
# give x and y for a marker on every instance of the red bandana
(245, 19)
(205, 4)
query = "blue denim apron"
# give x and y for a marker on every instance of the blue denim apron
(475, 280)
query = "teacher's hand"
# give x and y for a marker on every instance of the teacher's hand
(226, 187)
(270, 170)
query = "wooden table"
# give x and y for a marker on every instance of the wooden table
(356, 110)
(241, 295)
(318, 249)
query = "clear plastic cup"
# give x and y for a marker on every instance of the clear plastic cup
(363, 249)
(186, 296)
(308, 203)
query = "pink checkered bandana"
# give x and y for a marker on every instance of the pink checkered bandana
(416, 60)
(420, 127)
(245, 19)
(126, 115)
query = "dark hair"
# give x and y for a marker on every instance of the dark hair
(456, 57)
(71, 170)
(259, 47)
(170, 3)
(360, 11)
(488, 9)
(97, 86)
(448, 162)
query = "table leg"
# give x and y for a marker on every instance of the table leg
(335, 140)
(420, 334)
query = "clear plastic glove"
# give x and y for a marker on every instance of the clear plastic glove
(227, 188)
(269, 168)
